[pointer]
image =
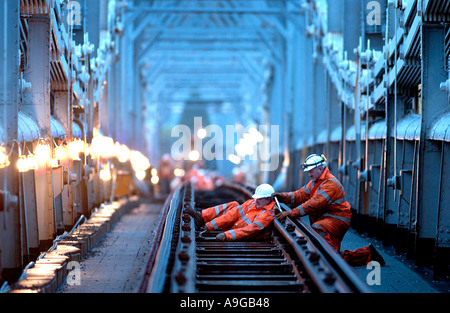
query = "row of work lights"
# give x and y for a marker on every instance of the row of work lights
(46, 153)
(247, 145)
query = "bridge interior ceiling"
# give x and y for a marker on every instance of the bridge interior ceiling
(207, 53)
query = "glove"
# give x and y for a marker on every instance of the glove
(281, 216)
(281, 197)
(221, 237)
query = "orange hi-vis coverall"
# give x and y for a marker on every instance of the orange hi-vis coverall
(329, 213)
(239, 221)
(324, 202)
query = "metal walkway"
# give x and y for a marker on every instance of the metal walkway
(114, 265)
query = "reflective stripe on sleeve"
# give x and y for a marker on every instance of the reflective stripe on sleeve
(339, 201)
(302, 212)
(305, 188)
(292, 197)
(217, 210)
(233, 234)
(260, 225)
(325, 195)
(214, 224)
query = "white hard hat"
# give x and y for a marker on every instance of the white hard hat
(263, 191)
(313, 161)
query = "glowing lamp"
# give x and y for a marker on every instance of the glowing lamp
(22, 164)
(155, 180)
(140, 175)
(138, 161)
(105, 174)
(59, 153)
(194, 155)
(102, 146)
(75, 148)
(32, 162)
(123, 153)
(233, 158)
(107, 147)
(250, 139)
(256, 134)
(178, 172)
(201, 133)
(4, 159)
(95, 146)
(53, 163)
(42, 153)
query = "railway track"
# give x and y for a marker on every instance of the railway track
(290, 259)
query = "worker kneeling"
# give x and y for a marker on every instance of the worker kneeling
(252, 218)
(323, 200)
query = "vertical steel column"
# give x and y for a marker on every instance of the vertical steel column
(103, 106)
(128, 96)
(139, 134)
(335, 15)
(441, 265)
(289, 65)
(113, 97)
(332, 102)
(298, 90)
(347, 122)
(307, 106)
(277, 100)
(434, 102)
(334, 121)
(351, 30)
(10, 214)
(37, 105)
(405, 195)
(351, 26)
(319, 104)
(63, 112)
(391, 192)
(298, 95)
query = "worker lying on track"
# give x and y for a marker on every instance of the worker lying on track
(323, 200)
(252, 218)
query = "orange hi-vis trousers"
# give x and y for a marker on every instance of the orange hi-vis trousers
(239, 221)
(357, 257)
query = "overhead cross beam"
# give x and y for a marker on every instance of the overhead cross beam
(187, 48)
(199, 10)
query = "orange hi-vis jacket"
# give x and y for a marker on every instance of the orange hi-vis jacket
(239, 221)
(324, 202)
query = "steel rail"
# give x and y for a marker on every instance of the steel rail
(337, 275)
(147, 275)
(341, 268)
